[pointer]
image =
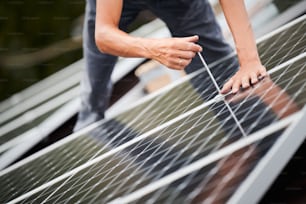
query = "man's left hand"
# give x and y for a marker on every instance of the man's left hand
(246, 76)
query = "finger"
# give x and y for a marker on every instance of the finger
(188, 46)
(263, 72)
(194, 38)
(182, 63)
(192, 47)
(245, 82)
(254, 78)
(173, 63)
(227, 86)
(184, 54)
(236, 86)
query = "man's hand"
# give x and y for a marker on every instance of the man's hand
(175, 53)
(245, 76)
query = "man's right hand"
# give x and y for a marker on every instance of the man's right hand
(175, 53)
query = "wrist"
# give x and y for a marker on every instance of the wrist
(147, 46)
(248, 58)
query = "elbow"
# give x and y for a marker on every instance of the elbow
(101, 41)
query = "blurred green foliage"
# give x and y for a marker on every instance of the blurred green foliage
(27, 26)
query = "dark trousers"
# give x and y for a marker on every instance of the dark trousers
(182, 17)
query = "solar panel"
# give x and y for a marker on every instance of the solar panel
(34, 117)
(169, 132)
(164, 151)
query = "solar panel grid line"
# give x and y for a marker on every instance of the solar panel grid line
(293, 48)
(65, 163)
(284, 44)
(8, 142)
(33, 136)
(288, 62)
(165, 104)
(267, 170)
(271, 46)
(66, 175)
(51, 166)
(88, 180)
(284, 55)
(280, 55)
(117, 134)
(207, 160)
(169, 106)
(51, 147)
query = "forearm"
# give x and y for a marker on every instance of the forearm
(116, 42)
(238, 21)
(175, 53)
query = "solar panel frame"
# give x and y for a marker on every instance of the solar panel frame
(258, 182)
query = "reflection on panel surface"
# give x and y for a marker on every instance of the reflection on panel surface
(176, 145)
(213, 183)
